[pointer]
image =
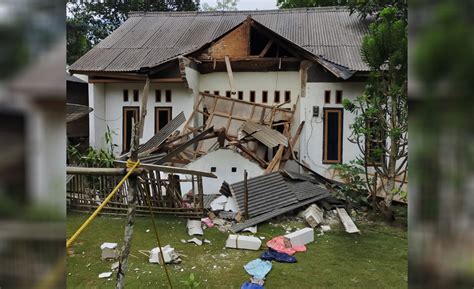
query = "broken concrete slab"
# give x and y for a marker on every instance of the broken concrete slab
(114, 266)
(313, 215)
(218, 203)
(194, 227)
(346, 220)
(243, 242)
(231, 205)
(105, 275)
(109, 251)
(195, 241)
(168, 254)
(301, 237)
(250, 229)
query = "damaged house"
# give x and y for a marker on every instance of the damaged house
(268, 85)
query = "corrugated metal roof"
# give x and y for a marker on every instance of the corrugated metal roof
(331, 33)
(265, 193)
(305, 190)
(265, 134)
(162, 135)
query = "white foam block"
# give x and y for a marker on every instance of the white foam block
(301, 237)
(243, 242)
(194, 227)
(109, 250)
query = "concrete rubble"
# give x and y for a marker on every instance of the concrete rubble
(109, 251)
(243, 242)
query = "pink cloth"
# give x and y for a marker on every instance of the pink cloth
(283, 245)
(208, 222)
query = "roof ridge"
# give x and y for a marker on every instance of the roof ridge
(220, 13)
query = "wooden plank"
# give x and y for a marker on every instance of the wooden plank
(276, 160)
(168, 169)
(266, 48)
(229, 73)
(101, 171)
(293, 141)
(346, 220)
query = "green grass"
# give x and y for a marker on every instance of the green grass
(375, 259)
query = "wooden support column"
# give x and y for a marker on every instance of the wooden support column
(230, 74)
(201, 192)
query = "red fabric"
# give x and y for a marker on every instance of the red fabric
(283, 245)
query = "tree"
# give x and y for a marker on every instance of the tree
(88, 22)
(380, 126)
(363, 8)
(222, 5)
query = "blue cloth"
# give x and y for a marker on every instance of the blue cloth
(249, 285)
(258, 268)
(277, 256)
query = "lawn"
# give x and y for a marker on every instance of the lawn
(377, 258)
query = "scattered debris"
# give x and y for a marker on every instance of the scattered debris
(258, 268)
(218, 203)
(148, 231)
(114, 266)
(301, 237)
(231, 205)
(243, 242)
(349, 225)
(313, 215)
(109, 251)
(105, 275)
(250, 229)
(325, 228)
(207, 241)
(208, 222)
(195, 241)
(194, 227)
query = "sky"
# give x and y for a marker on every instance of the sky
(249, 4)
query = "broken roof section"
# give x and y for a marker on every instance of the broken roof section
(265, 134)
(147, 40)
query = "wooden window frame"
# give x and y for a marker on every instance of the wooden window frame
(168, 95)
(157, 95)
(338, 97)
(240, 95)
(276, 96)
(341, 135)
(136, 95)
(252, 96)
(125, 95)
(157, 108)
(287, 96)
(327, 97)
(125, 146)
(264, 96)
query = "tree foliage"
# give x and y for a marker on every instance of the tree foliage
(90, 22)
(222, 5)
(380, 128)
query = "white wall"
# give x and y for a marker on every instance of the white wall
(258, 81)
(312, 151)
(223, 160)
(97, 124)
(181, 100)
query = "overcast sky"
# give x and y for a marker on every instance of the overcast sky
(249, 4)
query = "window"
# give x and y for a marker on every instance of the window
(277, 97)
(252, 96)
(168, 95)
(213, 169)
(287, 96)
(158, 95)
(130, 116)
(327, 96)
(206, 91)
(216, 92)
(125, 95)
(332, 148)
(339, 96)
(162, 117)
(227, 93)
(234, 169)
(136, 95)
(264, 96)
(240, 95)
